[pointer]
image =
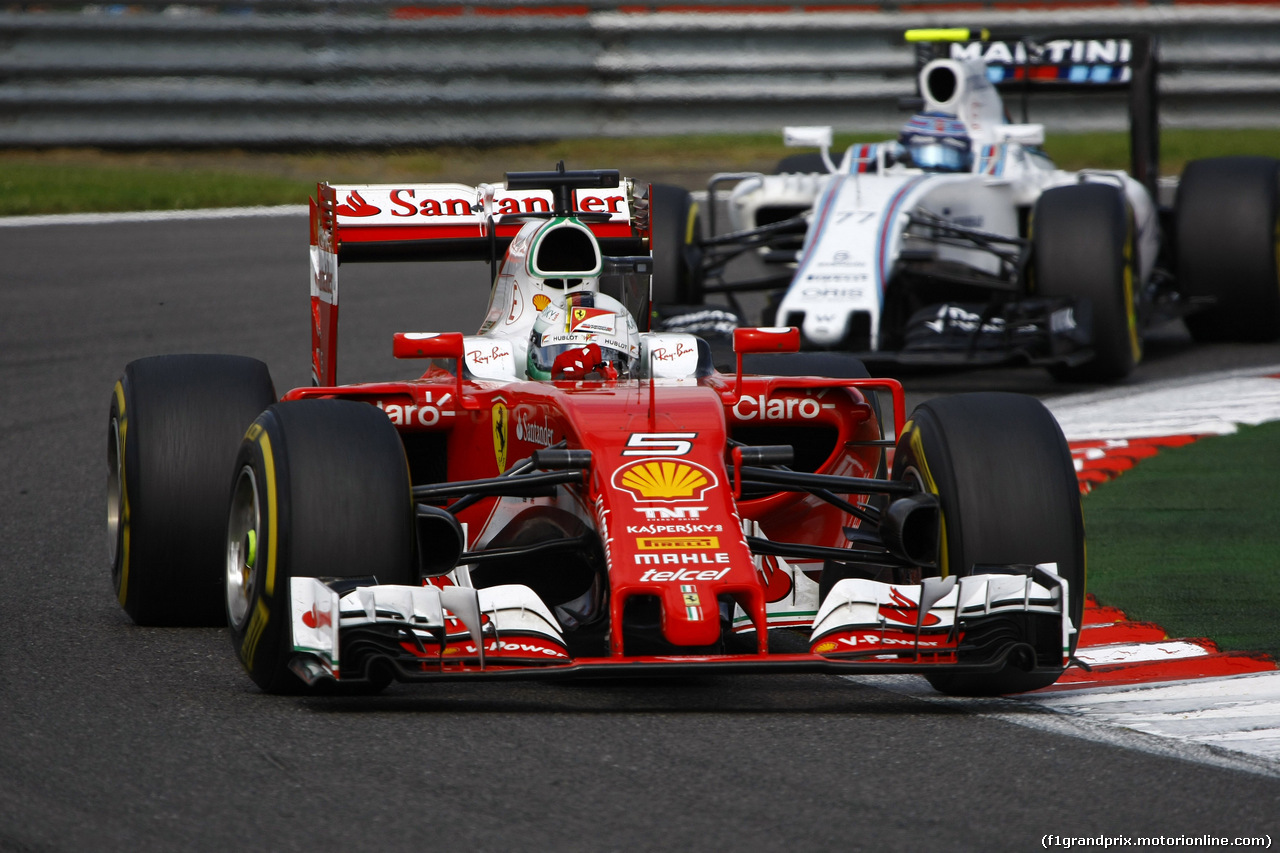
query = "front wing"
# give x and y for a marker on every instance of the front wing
(978, 623)
(1033, 330)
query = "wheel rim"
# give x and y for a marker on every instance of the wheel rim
(115, 493)
(243, 550)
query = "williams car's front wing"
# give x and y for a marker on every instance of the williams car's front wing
(1042, 331)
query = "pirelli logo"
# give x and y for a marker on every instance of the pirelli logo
(677, 543)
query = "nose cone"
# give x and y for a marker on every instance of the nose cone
(680, 540)
(665, 508)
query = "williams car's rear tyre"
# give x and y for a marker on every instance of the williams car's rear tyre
(677, 229)
(1007, 487)
(1082, 245)
(810, 162)
(321, 490)
(1228, 239)
(175, 424)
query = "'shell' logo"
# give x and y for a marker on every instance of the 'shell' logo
(664, 480)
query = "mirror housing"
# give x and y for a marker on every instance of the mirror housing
(763, 339)
(448, 345)
(427, 345)
(807, 137)
(1023, 134)
(811, 137)
(766, 339)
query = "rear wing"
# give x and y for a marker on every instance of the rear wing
(453, 222)
(1065, 63)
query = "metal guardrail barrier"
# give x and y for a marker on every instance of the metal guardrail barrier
(287, 73)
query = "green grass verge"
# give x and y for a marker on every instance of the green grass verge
(37, 188)
(1177, 147)
(86, 180)
(82, 180)
(1189, 540)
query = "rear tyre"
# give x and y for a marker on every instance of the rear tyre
(809, 163)
(1007, 487)
(1082, 245)
(1228, 234)
(321, 490)
(175, 424)
(677, 230)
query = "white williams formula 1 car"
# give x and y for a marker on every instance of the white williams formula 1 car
(960, 242)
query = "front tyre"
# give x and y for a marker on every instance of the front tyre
(1083, 246)
(321, 490)
(1007, 487)
(175, 424)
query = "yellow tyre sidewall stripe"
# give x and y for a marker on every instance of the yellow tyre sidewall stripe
(261, 611)
(122, 590)
(1130, 308)
(915, 441)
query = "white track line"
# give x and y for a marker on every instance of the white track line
(1121, 653)
(1240, 743)
(151, 216)
(1240, 713)
(1213, 404)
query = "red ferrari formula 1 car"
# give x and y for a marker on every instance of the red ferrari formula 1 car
(564, 494)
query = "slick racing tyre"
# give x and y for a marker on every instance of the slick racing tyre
(1008, 491)
(175, 424)
(1228, 237)
(677, 229)
(809, 163)
(1082, 245)
(321, 490)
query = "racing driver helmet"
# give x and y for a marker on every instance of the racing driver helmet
(592, 336)
(937, 142)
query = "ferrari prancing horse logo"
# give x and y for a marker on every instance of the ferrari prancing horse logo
(500, 435)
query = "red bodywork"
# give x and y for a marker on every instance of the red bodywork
(659, 490)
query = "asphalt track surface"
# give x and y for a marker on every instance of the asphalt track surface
(114, 737)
